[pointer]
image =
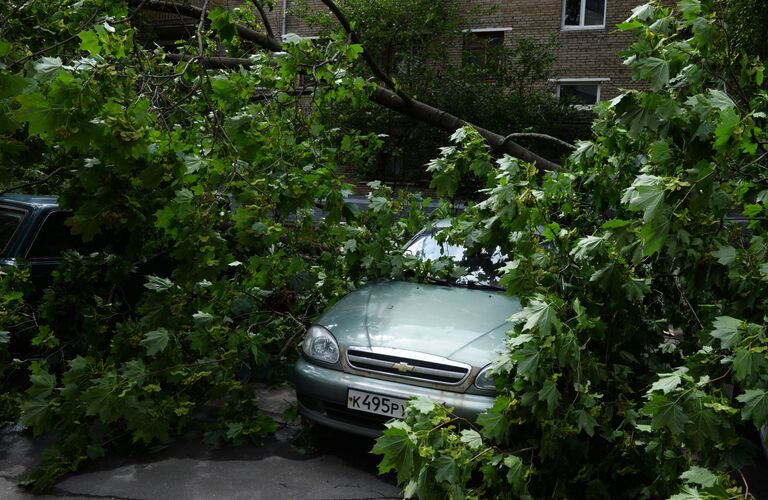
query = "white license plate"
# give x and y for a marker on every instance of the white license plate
(375, 403)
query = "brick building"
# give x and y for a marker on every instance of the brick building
(587, 64)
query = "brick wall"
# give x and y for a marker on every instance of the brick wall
(586, 53)
(583, 54)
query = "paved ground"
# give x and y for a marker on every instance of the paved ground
(340, 468)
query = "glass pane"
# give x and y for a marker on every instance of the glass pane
(9, 222)
(480, 268)
(54, 237)
(594, 13)
(585, 93)
(483, 49)
(572, 13)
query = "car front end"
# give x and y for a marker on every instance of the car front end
(390, 341)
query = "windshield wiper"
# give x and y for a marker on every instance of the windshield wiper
(440, 281)
(481, 286)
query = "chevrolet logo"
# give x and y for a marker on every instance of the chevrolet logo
(402, 367)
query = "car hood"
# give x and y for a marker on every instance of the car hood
(458, 323)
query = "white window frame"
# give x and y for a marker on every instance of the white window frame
(581, 25)
(486, 30)
(580, 81)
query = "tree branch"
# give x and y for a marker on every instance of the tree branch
(377, 72)
(269, 43)
(27, 184)
(546, 137)
(383, 96)
(264, 18)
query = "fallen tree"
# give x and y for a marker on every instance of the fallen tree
(637, 368)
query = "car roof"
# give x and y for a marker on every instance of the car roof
(31, 200)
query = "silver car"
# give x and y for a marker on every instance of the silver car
(389, 341)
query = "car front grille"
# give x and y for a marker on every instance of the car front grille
(408, 365)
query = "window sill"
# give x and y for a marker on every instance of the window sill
(582, 28)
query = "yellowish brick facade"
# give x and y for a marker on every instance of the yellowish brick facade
(584, 54)
(590, 54)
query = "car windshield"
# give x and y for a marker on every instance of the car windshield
(480, 268)
(9, 222)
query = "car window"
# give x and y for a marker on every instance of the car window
(54, 237)
(480, 267)
(10, 220)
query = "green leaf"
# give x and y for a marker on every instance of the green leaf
(446, 470)
(746, 362)
(644, 12)
(584, 151)
(655, 70)
(471, 438)
(398, 448)
(537, 314)
(155, 341)
(764, 271)
(158, 284)
(636, 289)
(222, 23)
(527, 361)
(720, 100)
(700, 476)
(493, 422)
(755, 406)
(669, 382)
(48, 65)
(90, 42)
(38, 112)
(100, 399)
(725, 255)
(378, 203)
(587, 247)
(11, 85)
(646, 194)
(516, 473)
(726, 329)
(667, 413)
(703, 31)
(689, 8)
(550, 394)
(34, 413)
(586, 422)
(688, 493)
(724, 131)
(423, 404)
(353, 51)
(5, 337)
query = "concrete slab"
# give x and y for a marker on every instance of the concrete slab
(341, 468)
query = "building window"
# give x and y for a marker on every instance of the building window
(580, 93)
(483, 48)
(583, 14)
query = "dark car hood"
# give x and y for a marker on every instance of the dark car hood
(454, 322)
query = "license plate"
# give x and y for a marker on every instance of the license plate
(375, 403)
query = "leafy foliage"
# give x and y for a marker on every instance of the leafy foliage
(218, 215)
(637, 367)
(415, 43)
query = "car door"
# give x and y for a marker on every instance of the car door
(53, 237)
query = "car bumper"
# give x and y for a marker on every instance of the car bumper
(322, 398)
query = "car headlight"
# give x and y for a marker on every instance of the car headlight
(485, 380)
(319, 344)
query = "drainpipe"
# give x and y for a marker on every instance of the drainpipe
(285, 16)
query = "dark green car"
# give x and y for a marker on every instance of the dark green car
(389, 341)
(32, 229)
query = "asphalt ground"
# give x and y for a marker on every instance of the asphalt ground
(327, 465)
